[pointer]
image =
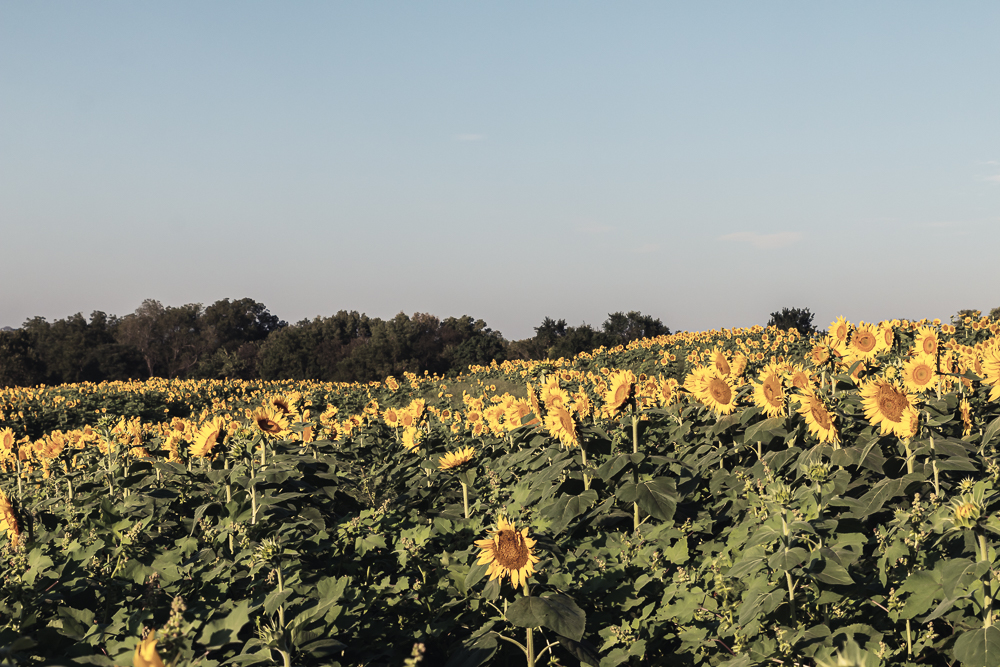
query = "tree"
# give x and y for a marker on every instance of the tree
(800, 319)
(623, 328)
(170, 340)
(19, 366)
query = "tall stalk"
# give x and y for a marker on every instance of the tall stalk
(635, 468)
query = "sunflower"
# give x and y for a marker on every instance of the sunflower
(769, 395)
(412, 438)
(840, 328)
(888, 406)
(720, 362)
(508, 553)
(455, 459)
(818, 419)
(667, 391)
(798, 377)
(207, 437)
(391, 383)
(146, 654)
(965, 412)
(926, 341)
(864, 342)
(391, 417)
(559, 423)
(719, 394)
(621, 387)
(8, 519)
(270, 421)
(886, 336)
(918, 373)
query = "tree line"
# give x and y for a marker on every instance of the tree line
(242, 339)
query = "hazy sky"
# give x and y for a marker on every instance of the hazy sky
(705, 163)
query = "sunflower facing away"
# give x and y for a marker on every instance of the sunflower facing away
(559, 423)
(818, 418)
(509, 553)
(455, 459)
(621, 387)
(8, 518)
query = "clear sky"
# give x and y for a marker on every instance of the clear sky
(705, 163)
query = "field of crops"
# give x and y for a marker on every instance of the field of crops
(737, 497)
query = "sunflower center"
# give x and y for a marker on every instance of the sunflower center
(772, 391)
(821, 416)
(621, 394)
(929, 345)
(511, 551)
(864, 341)
(722, 365)
(891, 403)
(268, 426)
(720, 391)
(922, 375)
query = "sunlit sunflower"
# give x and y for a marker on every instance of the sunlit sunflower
(886, 336)
(391, 417)
(818, 419)
(559, 423)
(768, 393)
(209, 435)
(146, 654)
(412, 438)
(799, 378)
(926, 341)
(864, 342)
(840, 328)
(9, 522)
(738, 364)
(516, 413)
(719, 394)
(553, 395)
(270, 421)
(621, 388)
(455, 459)
(720, 362)
(888, 406)
(391, 383)
(509, 554)
(918, 373)
(667, 391)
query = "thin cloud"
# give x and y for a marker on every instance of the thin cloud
(469, 137)
(993, 179)
(764, 241)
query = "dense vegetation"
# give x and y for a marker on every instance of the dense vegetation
(242, 339)
(737, 497)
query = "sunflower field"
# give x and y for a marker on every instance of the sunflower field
(737, 497)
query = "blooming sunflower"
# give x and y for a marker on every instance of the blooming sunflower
(455, 459)
(926, 341)
(412, 438)
(885, 336)
(768, 394)
(888, 406)
(840, 328)
(798, 377)
(270, 421)
(818, 419)
(864, 342)
(508, 553)
(146, 654)
(965, 412)
(8, 518)
(208, 436)
(621, 387)
(720, 362)
(559, 423)
(918, 373)
(719, 394)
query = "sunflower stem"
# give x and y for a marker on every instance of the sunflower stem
(465, 498)
(791, 593)
(583, 458)
(530, 649)
(20, 492)
(635, 468)
(281, 589)
(909, 639)
(909, 457)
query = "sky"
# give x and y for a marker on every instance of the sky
(704, 163)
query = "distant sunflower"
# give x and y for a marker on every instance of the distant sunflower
(509, 554)
(818, 419)
(888, 406)
(270, 421)
(209, 435)
(412, 438)
(391, 383)
(455, 459)
(668, 391)
(768, 393)
(918, 373)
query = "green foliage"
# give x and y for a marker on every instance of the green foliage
(800, 319)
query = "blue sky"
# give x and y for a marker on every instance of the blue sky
(704, 163)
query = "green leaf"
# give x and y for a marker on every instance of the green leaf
(990, 432)
(979, 648)
(656, 497)
(582, 651)
(556, 612)
(765, 431)
(567, 508)
(222, 631)
(785, 559)
(474, 652)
